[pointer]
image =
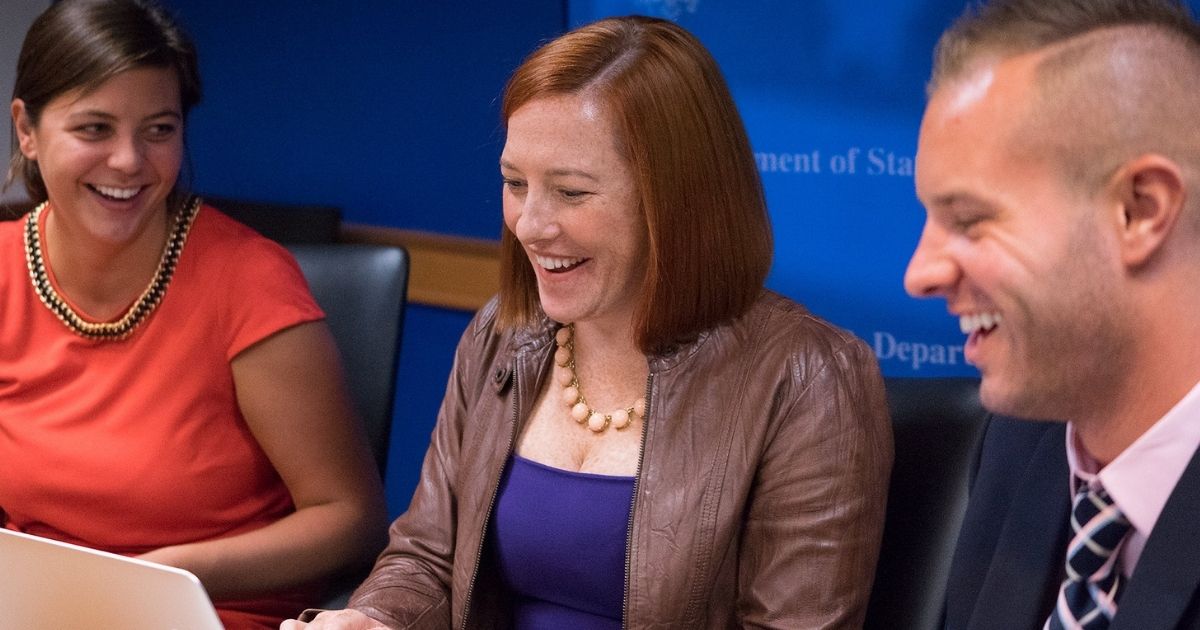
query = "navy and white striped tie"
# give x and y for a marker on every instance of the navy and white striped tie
(1088, 597)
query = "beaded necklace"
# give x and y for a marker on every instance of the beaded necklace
(572, 393)
(139, 311)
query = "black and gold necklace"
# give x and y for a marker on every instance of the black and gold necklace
(140, 309)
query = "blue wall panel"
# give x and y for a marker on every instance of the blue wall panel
(387, 109)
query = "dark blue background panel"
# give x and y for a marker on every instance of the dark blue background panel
(387, 109)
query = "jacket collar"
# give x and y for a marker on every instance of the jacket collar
(1165, 581)
(1024, 572)
(538, 336)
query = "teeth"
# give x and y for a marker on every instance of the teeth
(549, 263)
(982, 321)
(117, 193)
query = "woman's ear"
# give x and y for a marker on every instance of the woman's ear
(1150, 193)
(24, 128)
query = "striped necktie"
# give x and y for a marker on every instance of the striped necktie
(1087, 599)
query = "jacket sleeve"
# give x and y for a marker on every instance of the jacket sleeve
(815, 517)
(409, 586)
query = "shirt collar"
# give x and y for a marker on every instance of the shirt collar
(1142, 477)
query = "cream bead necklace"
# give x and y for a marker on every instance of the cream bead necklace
(572, 393)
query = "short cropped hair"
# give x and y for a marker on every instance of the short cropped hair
(1090, 114)
(1011, 27)
(709, 238)
(80, 44)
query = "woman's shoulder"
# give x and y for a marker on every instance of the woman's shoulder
(10, 231)
(486, 329)
(490, 348)
(12, 249)
(225, 256)
(228, 248)
(483, 323)
(783, 324)
(218, 230)
(779, 340)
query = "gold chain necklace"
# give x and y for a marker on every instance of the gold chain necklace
(139, 311)
(572, 393)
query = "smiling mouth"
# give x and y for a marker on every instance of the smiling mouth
(114, 193)
(978, 322)
(558, 265)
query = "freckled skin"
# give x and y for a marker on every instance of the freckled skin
(570, 194)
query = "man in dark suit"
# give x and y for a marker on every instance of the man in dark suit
(1059, 164)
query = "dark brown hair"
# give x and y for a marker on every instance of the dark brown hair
(709, 238)
(80, 44)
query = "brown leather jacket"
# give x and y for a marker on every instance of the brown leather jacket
(759, 500)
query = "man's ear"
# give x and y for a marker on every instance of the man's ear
(24, 128)
(1150, 193)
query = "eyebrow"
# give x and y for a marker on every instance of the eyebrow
(945, 200)
(563, 172)
(557, 172)
(960, 204)
(950, 200)
(96, 113)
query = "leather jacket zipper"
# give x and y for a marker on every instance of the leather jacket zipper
(512, 438)
(637, 481)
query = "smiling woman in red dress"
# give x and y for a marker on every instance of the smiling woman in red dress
(165, 376)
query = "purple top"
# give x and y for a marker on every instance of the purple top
(559, 541)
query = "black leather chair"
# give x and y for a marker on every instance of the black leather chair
(362, 289)
(13, 210)
(283, 223)
(938, 426)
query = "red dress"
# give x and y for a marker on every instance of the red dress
(132, 445)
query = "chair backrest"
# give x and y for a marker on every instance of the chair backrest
(284, 223)
(13, 210)
(938, 426)
(362, 289)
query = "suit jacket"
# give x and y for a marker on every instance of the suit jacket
(1009, 562)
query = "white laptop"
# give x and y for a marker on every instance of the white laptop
(46, 584)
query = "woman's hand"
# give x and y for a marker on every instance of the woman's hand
(335, 620)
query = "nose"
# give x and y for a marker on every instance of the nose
(128, 155)
(931, 271)
(536, 218)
